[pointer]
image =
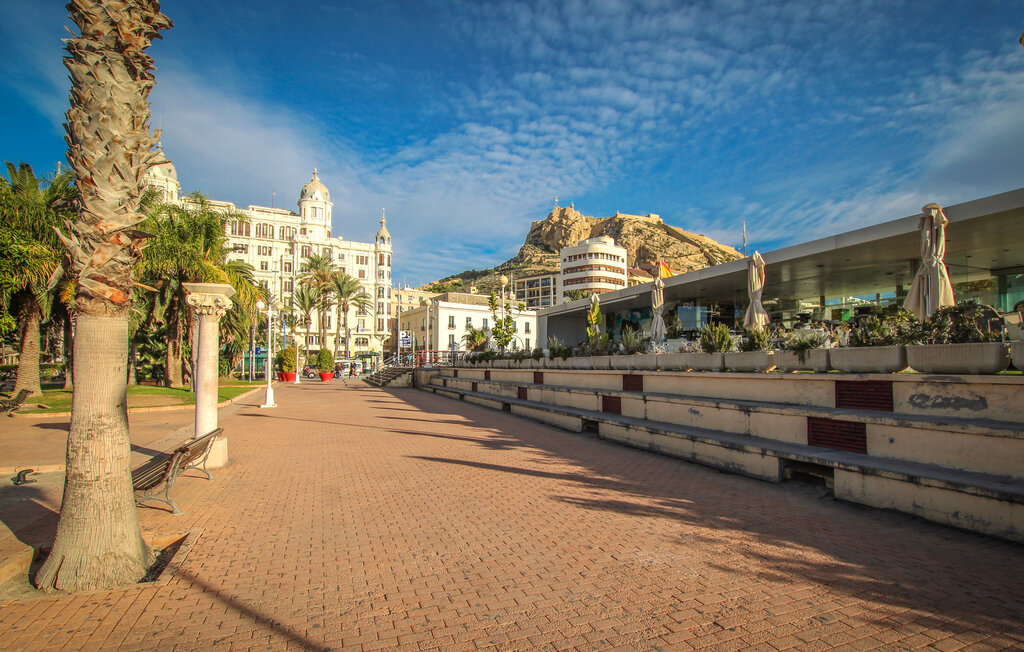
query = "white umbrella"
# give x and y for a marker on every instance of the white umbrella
(756, 316)
(658, 330)
(931, 288)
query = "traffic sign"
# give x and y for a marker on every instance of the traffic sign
(259, 350)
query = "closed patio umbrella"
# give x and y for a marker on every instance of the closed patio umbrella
(756, 316)
(931, 288)
(658, 330)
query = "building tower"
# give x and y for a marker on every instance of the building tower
(315, 209)
(164, 178)
(382, 287)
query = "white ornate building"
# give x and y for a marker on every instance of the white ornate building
(276, 241)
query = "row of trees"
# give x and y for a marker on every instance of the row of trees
(184, 243)
(187, 244)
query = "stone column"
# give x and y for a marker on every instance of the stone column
(209, 301)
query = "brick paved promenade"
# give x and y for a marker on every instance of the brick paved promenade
(359, 518)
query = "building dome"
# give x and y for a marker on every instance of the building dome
(315, 189)
(164, 171)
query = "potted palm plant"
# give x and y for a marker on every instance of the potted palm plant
(715, 341)
(875, 344)
(755, 353)
(804, 351)
(961, 339)
(325, 364)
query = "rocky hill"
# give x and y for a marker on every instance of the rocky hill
(646, 238)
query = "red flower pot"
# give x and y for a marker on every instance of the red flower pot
(289, 376)
(326, 376)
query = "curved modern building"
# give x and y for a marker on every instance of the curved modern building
(596, 265)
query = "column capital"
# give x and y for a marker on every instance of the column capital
(211, 299)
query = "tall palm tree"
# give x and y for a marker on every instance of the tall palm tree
(24, 263)
(34, 207)
(317, 273)
(190, 246)
(305, 301)
(98, 542)
(350, 294)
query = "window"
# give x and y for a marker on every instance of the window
(485, 323)
(362, 273)
(526, 327)
(527, 343)
(242, 248)
(451, 342)
(264, 265)
(380, 324)
(287, 267)
(380, 293)
(469, 322)
(380, 259)
(328, 253)
(303, 231)
(451, 321)
(380, 307)
(306, 251)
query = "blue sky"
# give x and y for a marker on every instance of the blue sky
(465, 119)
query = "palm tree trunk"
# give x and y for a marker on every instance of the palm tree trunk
(172, 359)
(133, 362)
(98, 541)
(28, 356)
(69, 355)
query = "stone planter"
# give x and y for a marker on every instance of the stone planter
(970, 358)
(1017, 354)
(750, 361)
(499, 364)
(644, 361)
(674, 362)
(706, 361)
(579, 363)
(601, 361)
(814, 360)
(868, 359)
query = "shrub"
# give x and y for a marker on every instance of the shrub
(324, 360)
(963, 323)
(715, 338)
(537, 354)
(287, 360)
(756, 340)
(895, 329)
(801, 343)
(556, 349)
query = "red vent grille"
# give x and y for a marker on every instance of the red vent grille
(841, 435)
(538, 378)
(487, 374)
(632, 383)
(455, 373)
(444, 381)
(474, 386)
(864, 395)
(611, 404)
(522, 393)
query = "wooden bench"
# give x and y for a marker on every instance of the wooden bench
(163, 470)
(9, 405)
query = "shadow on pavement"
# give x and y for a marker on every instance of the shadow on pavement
(753, 525)
(294, 637)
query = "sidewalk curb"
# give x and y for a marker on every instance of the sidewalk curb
(135, 410)
(49, 468)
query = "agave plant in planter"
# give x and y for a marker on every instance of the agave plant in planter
(875, 344)
(755, 353)
(804, 351)
(715, 341)
(961, 339)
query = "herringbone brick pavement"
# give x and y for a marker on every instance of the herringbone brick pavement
(360, 518)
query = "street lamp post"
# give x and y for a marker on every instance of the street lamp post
(268, 401)
(426, 351)
(503, 281)
(298, 372)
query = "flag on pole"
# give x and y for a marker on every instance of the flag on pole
(664, 271)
